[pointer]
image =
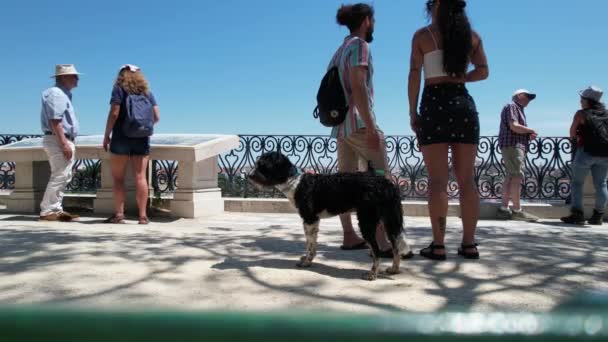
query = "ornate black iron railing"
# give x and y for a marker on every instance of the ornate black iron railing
(547, 172)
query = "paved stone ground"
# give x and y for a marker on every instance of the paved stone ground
(247, 262)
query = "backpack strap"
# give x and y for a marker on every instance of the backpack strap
(346, 43)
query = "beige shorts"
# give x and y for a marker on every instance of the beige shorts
(514, 159)
(354, 154)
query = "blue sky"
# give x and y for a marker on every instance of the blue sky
(253, 67)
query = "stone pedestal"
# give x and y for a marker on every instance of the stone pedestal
(198, 193)
(31, 178)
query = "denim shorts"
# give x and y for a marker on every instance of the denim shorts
(448, 115)
(124, 146)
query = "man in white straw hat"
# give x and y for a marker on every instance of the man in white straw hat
(60, 128)
(514, 138)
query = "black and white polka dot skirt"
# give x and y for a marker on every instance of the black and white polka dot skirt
(448, 115)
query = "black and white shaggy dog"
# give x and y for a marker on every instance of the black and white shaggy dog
(374, 198)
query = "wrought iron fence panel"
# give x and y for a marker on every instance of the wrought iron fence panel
(547, 170)
(86, 176)
(164, 176)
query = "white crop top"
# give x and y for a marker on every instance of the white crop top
(433, 61)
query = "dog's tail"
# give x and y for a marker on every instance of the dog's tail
(393, 223)
(402, 245)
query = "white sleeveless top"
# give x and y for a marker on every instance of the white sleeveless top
(433, 61)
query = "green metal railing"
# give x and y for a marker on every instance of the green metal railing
(45, 324)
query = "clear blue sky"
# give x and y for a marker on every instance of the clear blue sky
(236, 66)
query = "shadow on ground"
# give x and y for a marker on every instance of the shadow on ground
(517, 262)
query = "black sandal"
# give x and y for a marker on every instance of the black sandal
(116, 219)
(468, 255)
(429, 252)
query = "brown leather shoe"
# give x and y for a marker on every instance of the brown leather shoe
(64, 216)
(52, 217)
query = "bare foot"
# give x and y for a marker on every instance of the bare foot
(352, 241)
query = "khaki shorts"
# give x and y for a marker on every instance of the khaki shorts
(514, 159)
(354, 154)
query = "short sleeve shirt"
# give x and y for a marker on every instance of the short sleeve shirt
(354, 52)
(57, 105)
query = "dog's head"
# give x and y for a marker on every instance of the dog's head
(272, 168)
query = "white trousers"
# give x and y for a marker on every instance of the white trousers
(61, 175)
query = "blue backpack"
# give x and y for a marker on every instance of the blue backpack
(139, 116)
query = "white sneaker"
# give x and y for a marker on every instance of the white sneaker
(523, 216)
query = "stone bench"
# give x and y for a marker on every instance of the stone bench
(198, 193)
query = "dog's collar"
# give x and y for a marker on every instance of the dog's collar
(291, 183)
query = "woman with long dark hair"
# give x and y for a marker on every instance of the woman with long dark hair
(448, 117)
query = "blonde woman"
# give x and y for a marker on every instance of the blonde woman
(124, 147)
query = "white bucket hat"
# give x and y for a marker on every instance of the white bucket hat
(592, 93)
(530, 94)
(65, 69)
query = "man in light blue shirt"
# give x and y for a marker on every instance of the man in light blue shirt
(60, 128)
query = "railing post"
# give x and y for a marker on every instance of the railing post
(198, 193)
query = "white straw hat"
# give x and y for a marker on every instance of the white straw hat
(65, 69)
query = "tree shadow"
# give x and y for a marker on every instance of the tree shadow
(21, 218)
(535, 261)
(531, 259)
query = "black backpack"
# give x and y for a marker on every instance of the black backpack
(595, 136)
(331, 102)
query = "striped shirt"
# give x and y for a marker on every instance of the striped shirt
(353, 52)
(512, 112)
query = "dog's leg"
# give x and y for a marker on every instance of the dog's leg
(393, 223)
(368, 231)
(373, 273)
(312, 232)
(396, 257)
